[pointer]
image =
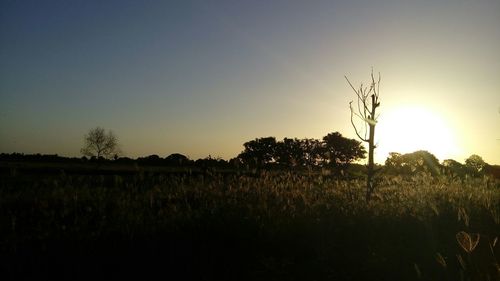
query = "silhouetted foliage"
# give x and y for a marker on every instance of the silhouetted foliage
(290, 153)
(211, 162)
(125, 160)
(150, 160)
(236, 163)
(334, 151)
(394, 162)
(415, 162)
(340, 151)
(177, 159)
(38, 157)
(259, 152)
(313, 152)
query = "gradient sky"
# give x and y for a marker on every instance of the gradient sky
(203, 77)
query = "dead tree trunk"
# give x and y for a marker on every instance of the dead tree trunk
(367, 103)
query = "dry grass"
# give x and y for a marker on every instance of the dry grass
(280, 225)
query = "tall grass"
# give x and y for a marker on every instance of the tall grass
(275, 226)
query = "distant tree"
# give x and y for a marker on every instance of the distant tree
(259, 152)
(418, 161)
(176, 159)
(339, 151)
(394, 160)
(367, 104)
(313, 150)
(451, 163)
(212, 162)
(36, 157)
(453, 168)
(150, 160)
(290, 153)
(99, 144)
(423, 160)
(125, 160)
(493, 171)
(475, 164)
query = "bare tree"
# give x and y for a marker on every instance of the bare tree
(98, 143)
(365, 111)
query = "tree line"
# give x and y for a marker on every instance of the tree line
(333, 151)
(424, 161)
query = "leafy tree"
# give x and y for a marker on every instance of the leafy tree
(259, 152)
(125, 160)
(367, 104)
(394, 161)
(422, 160)
(313, 151)
(340, 151)
(290, 153)
(334, 150)
(176, 159)
(150, 160)
(418, 161)
(99, 144)
(475, 164)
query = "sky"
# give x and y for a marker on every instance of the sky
(202, 77)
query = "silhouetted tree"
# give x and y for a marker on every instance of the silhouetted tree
(150, 160)
(313, 149)
(423, 160)
(259, 152)
(367, 103)
(290, 153)
(125, 160)
(339, 151)
(98, 143)
(37, 157)
(176, 159)
(415, 162)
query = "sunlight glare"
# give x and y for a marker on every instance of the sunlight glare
(411, 128)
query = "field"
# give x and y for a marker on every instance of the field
(231, 226)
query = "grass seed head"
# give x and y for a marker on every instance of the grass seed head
(467, 241)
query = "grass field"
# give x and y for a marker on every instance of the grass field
(272, 226)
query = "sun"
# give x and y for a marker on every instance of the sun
(410, 128)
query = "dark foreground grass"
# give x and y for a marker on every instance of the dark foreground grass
(231, 227)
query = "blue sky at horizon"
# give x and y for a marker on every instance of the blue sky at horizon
(202, 77)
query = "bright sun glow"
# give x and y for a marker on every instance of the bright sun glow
(411, 128)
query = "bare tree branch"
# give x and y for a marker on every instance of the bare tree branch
(354, 125)
(368, 116)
